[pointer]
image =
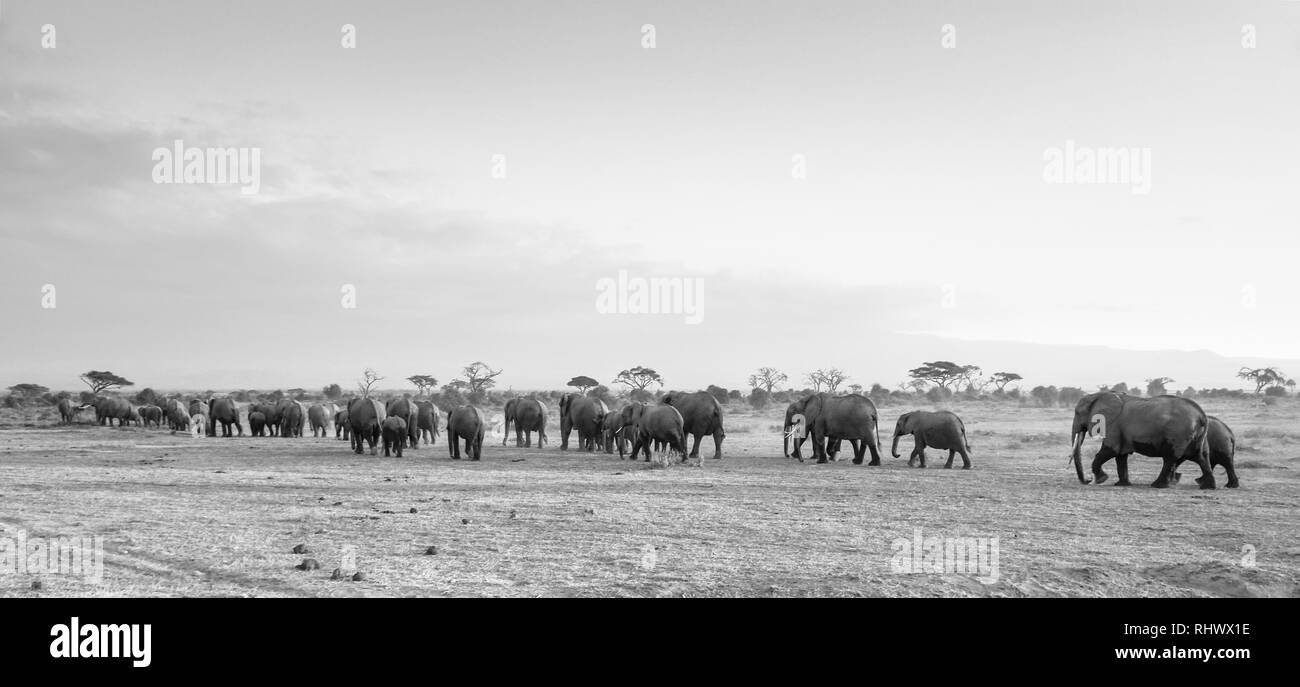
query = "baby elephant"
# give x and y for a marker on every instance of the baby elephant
(257, 422)
(394, 434)
(1223, 451)
(941, 430)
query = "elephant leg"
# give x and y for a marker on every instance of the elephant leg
(965, 458)
(1229, 468)
(951, 454)
(1121, 468)
(819, 447)
(1166, 471)
(1104, 455)
(1206, 480)
(695, 446)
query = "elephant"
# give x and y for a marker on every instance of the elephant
(1222, 444)
(133, 416)
(151, 413)
(468, 424)
(257, 423)
(198, 425)
(177, 418)
(394, 434)
(292, 417)
(342, 430)
(703, 416)
(529, 415)
(316, 415)
(198, 407)
(427, 421)
(223, 409)
(274, 414)
(583, 413)
(1168, 427)
(406, 409)
(942, 430)
(67, 411)
(831, 419)
(657, 423)
(612, 432)
(109, 408)
(365, 416)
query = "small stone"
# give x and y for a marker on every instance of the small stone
(464, 521)
(301, 548)
(337, 574)
(309, 564)
(358, 577)
(36, 585)
(431, 551)
(413, 510)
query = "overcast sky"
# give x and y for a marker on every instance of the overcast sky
(923, 213)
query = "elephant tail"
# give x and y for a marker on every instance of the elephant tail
(964, 440)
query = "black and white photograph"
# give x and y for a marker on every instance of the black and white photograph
(657, 299)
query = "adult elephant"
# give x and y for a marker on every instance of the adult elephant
(151, 414)
(1171, 428)
(257, 423)
(831, 419)
(223, 409)
(109, 408)
(528, 416)
(394, 434)
(792, 418)
(941, 429)
(653, 423)
(274, 414)
(134, 416)
(427, 422)
(703, 416)
(177, 417)
(406, 409)
(1222, 444)
(583, 413)
(466, 423)
(365, 417)
(316, 417)
(67, 411)
(292, 416)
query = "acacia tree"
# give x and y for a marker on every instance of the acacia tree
(638, 378)
(1002, 379)
(103, 381)
(23, 393)
(583, 383)
(423, 383)
(767, 379)
(479, 377)
(1263, 377)
(942, 373)
(368, 380)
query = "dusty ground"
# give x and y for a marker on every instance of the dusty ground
(187, 517)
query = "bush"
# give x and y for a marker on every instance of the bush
(1276, 391)
(1270, 400)
(759, 399)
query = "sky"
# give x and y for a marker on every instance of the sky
(853, 184)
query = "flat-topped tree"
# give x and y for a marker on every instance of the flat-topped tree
(22, 393)
(423, 383)
(104, 381)
(1263, 377)
(583, 383)
(638, 378)
(1001, 379)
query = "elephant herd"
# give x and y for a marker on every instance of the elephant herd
(1171, 428)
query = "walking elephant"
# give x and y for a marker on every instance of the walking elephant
(653, 423)
(394, 434)
(427, 422)
(319, 418)
(831, 419)
(365, 417)
(406, 409)
(583, 413)
(151, 414)
(528, 416)
(223, 410)
(1171, 428)
(612, 432)
(67, 411)
(274, 414)
(257, 423)
(703, 416)
(109, 408)
(942, 430)
(466, 423)
(1222, 444)
(342, 430)
(177, 417)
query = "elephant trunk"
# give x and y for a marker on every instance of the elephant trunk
(894, 449)
(1077, 455)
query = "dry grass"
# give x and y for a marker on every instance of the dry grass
(220, 516)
